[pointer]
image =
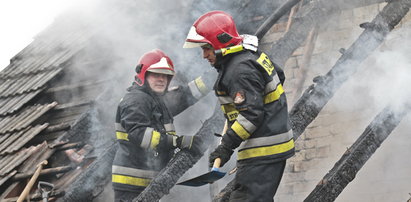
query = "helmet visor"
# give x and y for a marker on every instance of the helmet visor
(161, 71)
(161, 67)
(193, 39)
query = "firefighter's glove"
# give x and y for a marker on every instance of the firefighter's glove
(165, 142)
(188, 142)
(223, 152)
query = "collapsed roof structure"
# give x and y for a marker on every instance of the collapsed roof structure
(55, 93)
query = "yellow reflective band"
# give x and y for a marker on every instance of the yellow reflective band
(171, 133)
(221, 93)
(230, 111)
(266, 151)
(275, 95)
(265, 62)
(122, 136)
(232, 49)
(201, 86)
(136, 181)
(155, 139)
(240, 130)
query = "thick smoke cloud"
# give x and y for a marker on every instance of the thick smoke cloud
(385, 82)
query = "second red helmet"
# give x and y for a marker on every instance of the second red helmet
(154, 61)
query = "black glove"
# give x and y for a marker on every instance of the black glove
(223, 152)
(188, 142)
(166, 143)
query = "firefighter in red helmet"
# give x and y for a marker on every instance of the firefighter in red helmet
(249, 88)
(144, 124)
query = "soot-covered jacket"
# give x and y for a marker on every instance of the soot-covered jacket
(144, 131)
(249, 88)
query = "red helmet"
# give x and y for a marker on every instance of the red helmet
(216, 28)
(154, 61)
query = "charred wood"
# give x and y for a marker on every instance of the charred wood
(278, 13)
(57, 127)
(70, 146)
(71, 105)
(313, 13)
(182, 161)
(91, 182)
(316, 96)
(356, 156)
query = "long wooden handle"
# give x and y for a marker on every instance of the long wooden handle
(217, 163)
(225, 127)
(33, 179)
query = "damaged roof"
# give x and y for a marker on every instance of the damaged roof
(37, 108)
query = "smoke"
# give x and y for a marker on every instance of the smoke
(382, 80)
(116, 34)
(385, 81)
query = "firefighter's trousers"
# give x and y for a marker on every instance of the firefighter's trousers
(255, 183)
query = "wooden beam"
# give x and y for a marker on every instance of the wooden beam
(345, 170)
(306, 109)
(305, 63)
(57, 127)
(48, 171)
(69, 146)
(316, 12)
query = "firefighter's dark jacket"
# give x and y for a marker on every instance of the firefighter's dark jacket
(144, 131)
(249, 88)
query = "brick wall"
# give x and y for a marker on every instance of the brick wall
(387, 175)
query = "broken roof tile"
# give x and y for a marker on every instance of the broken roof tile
(26, 83)
(15, 141)
(23, 118)
(11, 104)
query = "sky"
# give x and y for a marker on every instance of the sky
(21, 20)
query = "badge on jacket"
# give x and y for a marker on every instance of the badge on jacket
(239, 97)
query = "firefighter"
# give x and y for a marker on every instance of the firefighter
(144, 124)
(249, 88)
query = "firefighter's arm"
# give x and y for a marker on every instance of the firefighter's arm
(247, 92)
(136, 119)
(181, 97)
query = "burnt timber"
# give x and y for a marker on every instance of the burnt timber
(313, 13)
(356, 156)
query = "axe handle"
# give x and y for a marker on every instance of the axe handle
(33, 179)
(217, 163)
(225, 127)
